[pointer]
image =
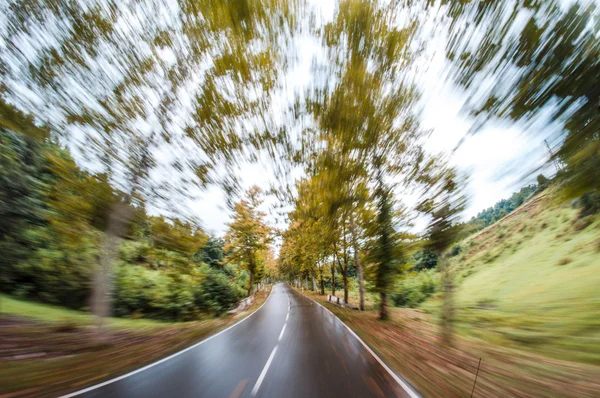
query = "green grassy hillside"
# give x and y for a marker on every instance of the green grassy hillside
(532, 281)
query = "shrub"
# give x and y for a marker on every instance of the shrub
(425, 259)
(134, 251)
(542, 182)
(455, 251)
(415, 288)
(589, 204)
(216, 293)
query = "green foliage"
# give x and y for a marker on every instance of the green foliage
(501, 209)
(217, 293)
(212, 252)
(163, 295)
(425, 259)
(415, 288)
(21, 205)
(589, 204)
(455, 251)
(176, 236)
(536, 282)
(248, 237)
(135, 251)
(542, 182)
(52, 218)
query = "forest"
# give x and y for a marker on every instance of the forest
(53, 217)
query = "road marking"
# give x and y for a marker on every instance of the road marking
(282, 330)
(263, 373)
(287, 316)
(96, 386)
(239, 389)
(405, 386)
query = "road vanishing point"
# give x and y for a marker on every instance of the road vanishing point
(290, 347)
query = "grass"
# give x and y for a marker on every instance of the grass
(54, 314)
(47, 350)
(409, 343)
(542, 288)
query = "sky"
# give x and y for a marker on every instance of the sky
(498, 159)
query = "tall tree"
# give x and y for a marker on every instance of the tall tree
(362, 106)
(111, 79)
(248, 237)
(443, 202)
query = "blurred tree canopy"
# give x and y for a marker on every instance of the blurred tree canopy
(538, 55)
(52, 218)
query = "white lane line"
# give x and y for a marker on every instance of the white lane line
(263, 373)
(287, 316)
(405, 386)
(281, 334)
(96, 386)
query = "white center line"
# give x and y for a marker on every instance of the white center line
(281, 334)
(263, 373)
(287, 316)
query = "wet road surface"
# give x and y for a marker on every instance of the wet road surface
(290, 347)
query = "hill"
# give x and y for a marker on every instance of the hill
(531, 281)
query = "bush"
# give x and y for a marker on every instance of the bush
(455, 251)
(216, 293)
(133, 251)
(56, 272)
(589, 204)
(425, 259)
(173, 296)
(415, 288)
(153, 294)
(542, 182)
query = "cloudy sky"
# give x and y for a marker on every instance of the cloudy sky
(499, 159)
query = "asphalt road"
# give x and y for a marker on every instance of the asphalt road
(290, 347)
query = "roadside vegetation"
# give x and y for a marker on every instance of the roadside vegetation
(49, 350)
(115, 116)
(526, 303)
(409, 343)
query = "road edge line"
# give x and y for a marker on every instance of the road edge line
(105, 383)
(410, 390)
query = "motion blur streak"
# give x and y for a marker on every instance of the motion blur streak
(428, 171)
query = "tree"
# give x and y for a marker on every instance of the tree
(545, 64)
(362, 108)
(443, 202)
(212, 252)
(425, 259)
(98, 77)
(248, 236)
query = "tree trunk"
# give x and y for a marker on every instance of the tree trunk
(383, 309)
(447, 305)
(101, 297)
(359, 270)
(344, 272)
(322, 283)
(250, 285)
(333, 277)
(345, 278)
(314, 281)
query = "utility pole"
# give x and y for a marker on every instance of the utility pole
(552, 156)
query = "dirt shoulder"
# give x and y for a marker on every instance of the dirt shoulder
(44, 359)
(409, 344)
